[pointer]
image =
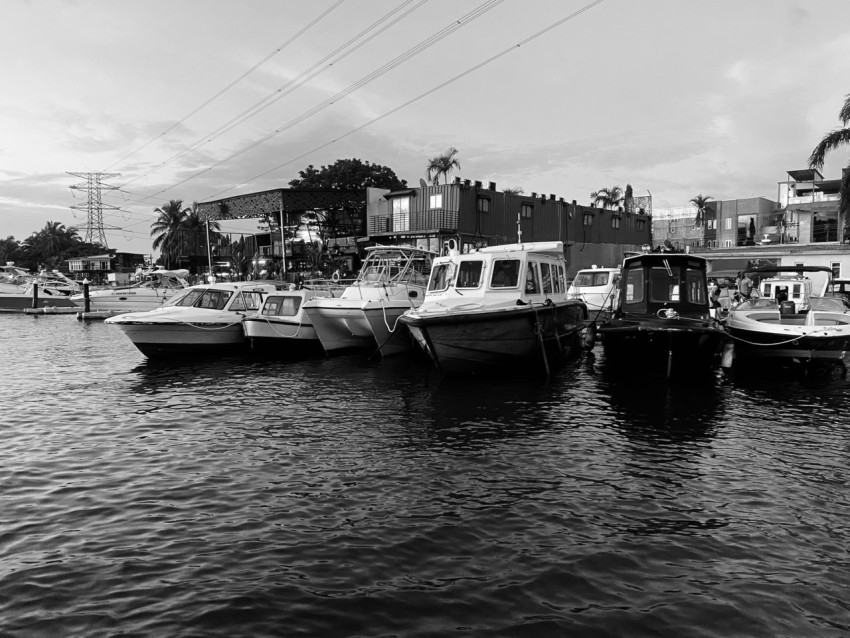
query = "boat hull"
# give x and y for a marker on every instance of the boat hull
(822, 346)
(23, 301)
(168, 340)
(360, 325)
(661, 348)
(281, 336)
(521, 337)
(118, 302)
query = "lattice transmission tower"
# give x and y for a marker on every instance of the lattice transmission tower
(94, 206)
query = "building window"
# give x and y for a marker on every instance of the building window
(483, 205)
(836, 269)
(401, 213)
(825, 226)
(728, 223)
(435, 200)
(526, 210)
(615, 221)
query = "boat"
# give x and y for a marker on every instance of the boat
(155, 288)
(281, 325)
(498, 308)
(787, 324)
(661, 324)
(19, 289)
(202, 319)
(366, 315)
(597, 288)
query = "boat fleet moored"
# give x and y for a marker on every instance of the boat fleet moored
(495, 309)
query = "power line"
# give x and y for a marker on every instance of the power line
(292, 85)
(451, 80)
(280, 48)
(410, 53)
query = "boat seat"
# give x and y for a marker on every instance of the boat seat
(786, 308)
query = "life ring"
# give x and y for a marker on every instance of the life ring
(335, 276)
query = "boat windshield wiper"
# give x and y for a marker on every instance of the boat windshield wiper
(667, 266)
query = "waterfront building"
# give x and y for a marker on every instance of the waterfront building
(427, 216)
(474, 215)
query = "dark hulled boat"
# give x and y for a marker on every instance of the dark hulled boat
(661, 323)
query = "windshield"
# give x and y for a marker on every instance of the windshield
(588, 279)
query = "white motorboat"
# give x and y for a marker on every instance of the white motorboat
(281, 325)
(202, 319)
(153, 291)
(19, 289)
(499, 308)
(787, 324)
(366, 315)
(597, 288)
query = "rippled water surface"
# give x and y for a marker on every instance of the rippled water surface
(347, 497)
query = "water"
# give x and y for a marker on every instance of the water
(344, 497)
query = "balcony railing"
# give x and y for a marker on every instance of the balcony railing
(424, 220)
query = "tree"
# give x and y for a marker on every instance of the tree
(194, 233)
(167, 230)
(700, 201)
(442, 165)
(607, 197)
(830, 142)
(9, 248)
(344, 174)
(513, 191)
(348, 174)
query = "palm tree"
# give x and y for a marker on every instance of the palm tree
(195, 228)
(700, 201)
(830, 142)
(608, 197)
(167, 229)
(442, 165)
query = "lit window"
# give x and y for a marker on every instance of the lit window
(435, 200)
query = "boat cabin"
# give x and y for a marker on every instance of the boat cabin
(789, 286)
(535, 271)
(656, 283)
(596, 287)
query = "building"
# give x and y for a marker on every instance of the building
(476, 215)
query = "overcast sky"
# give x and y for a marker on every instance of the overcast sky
(203, 99)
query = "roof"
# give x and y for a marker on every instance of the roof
(805, 175)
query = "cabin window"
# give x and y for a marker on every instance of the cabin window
(188, 299)
(664, 284)
(213, 299)
(546, 277)
(591, 278)
(696, 287)
(634, 286)
(557, 276)
(532, 279)
(797, 291)
(441, 276)
(282, 306)
(836, 269)
(505, 273)
(469, 274)
(435, 200)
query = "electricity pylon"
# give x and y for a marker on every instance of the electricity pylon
(93, 206)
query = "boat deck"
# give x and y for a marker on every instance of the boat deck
(812, 318)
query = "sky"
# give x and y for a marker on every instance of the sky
(198, 100)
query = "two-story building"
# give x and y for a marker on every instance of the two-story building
(476, 215)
